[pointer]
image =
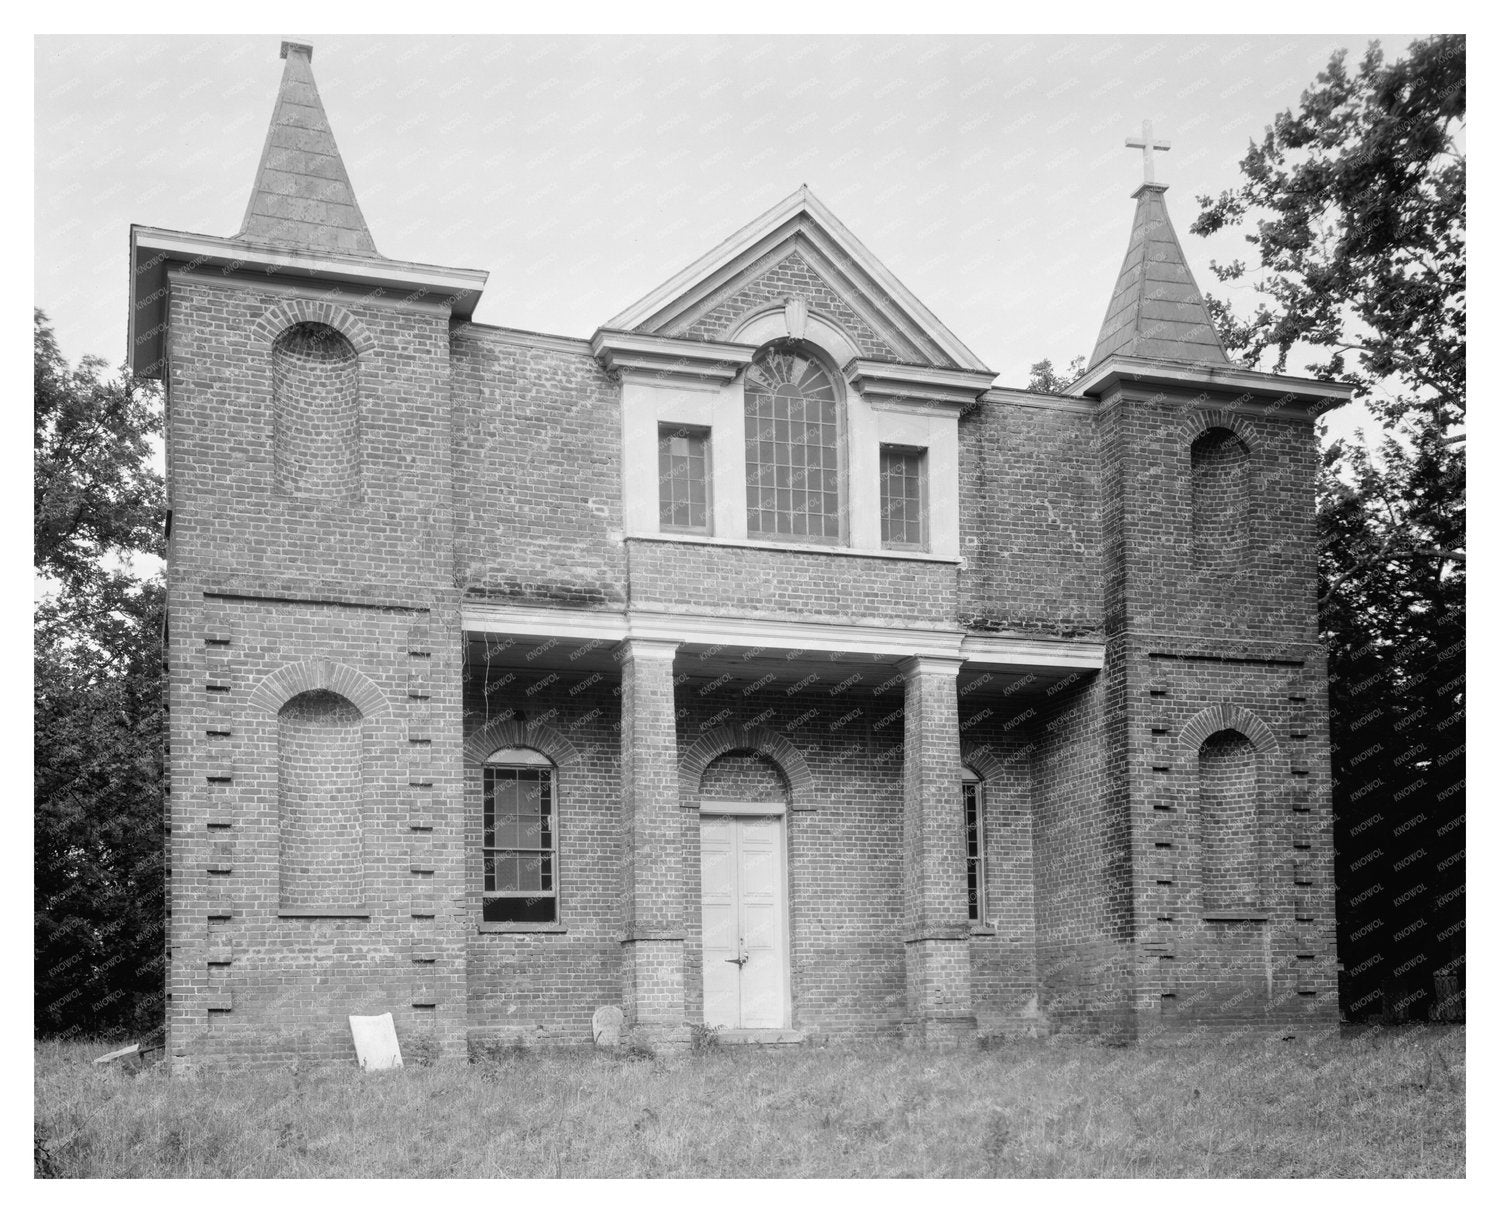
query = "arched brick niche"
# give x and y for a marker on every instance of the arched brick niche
(743, 775)
(322, 712)
(320, 801)
(1233, 750)
(757, 742)
(1229, 812)
(1221, 499)
(315, 394)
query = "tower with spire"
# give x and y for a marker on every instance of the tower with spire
(1213, 693)
(755, 663)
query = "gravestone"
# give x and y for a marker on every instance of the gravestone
(375, 1041)
(607, 1023)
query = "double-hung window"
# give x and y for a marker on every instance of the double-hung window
(683, 479)
(520, 837)
(903, 498)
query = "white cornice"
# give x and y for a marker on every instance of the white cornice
(670, 357)
(892, 383)
(878, 642)
(154, 250)
(793, 212)
(1319, 395)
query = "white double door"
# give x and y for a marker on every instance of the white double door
(744, 920)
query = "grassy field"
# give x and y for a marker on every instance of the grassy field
(1385, 1103)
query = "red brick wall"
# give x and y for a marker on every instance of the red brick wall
(1029, 522)
(766, 583)
(536, 468)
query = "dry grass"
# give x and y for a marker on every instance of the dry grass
(1381, 1104)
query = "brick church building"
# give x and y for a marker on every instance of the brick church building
(754, 662)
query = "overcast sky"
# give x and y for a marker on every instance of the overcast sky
(988, 173)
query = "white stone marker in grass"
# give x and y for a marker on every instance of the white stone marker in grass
(375, 1041)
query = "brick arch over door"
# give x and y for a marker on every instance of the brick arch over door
(510, 733)
(318, 675)
(308, 311)
(761, 741)
(1227, 716)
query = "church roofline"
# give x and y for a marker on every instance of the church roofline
(154, 250)
(801, 201)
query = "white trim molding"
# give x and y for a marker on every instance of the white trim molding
(924, 386)
(800, 213)
(668, 358)
(153, 250)
(1316, 395)
(741, 808)
(876, 642)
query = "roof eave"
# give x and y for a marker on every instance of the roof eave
(154, 250)
(1317, 395)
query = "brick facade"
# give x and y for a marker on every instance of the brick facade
(397, 547)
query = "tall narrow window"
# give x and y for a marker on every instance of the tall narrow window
(792, 448)
(973, 794)
(520, 837)
(903, 497)
(683, 478)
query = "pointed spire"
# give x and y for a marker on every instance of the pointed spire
(1157, 311)
(302, 195)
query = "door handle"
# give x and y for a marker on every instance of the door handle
(736, 960)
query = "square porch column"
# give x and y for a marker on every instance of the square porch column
(939, 1003)
(652, 994)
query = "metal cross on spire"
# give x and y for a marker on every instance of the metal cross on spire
(1148, 145)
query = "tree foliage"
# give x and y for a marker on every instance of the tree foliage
(99, 713)
(1355, 205)
(1045, 379)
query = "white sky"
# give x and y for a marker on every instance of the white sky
(988, 173)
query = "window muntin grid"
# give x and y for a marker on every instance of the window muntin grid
(792, 473)
(519, 844)
(682, 478)
(903, 497)
(973, 797)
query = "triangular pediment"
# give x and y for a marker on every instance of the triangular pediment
(799, 249)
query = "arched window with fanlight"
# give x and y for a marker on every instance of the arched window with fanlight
(973, 795)
(793, 440)
(520, 837)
